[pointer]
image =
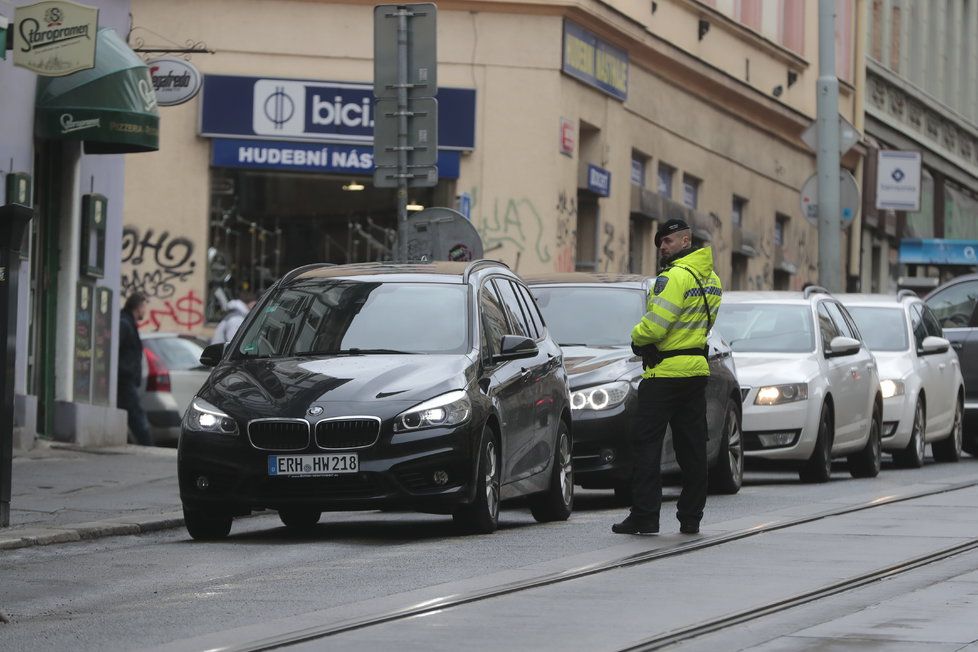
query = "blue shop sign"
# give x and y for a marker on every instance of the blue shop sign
(598, 180)
(309, 157)
(594, 62)
(289, 109)
(936, 251)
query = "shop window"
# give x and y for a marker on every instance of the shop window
(587, 232)
(639, 164)
(691, 191)
(738, 276)
(780, 230)
(666, 175)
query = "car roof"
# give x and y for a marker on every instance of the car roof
(589, 278)
(433, 272)
(770, 296)
(874, 299)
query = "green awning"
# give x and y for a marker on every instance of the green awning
(111, 107)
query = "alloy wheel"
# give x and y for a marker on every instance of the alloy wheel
(918, 431)
(492, 479)
(735, 447)
(957, 429)
(566, 470)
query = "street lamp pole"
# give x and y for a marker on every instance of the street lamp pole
(828, 157)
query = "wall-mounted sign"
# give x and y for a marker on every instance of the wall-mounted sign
(288, 109)
(309, 157)
(898, 180)
(594, 62)
(938, 251)
(566, 137)
(55, 39)
(598, 180)
(175, 81)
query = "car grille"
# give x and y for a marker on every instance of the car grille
(347, 485)
(279, 434)
(347, 433)
(744, 391)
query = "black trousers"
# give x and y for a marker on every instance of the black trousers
(127, 399)
(680, 403)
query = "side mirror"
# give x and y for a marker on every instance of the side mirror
(932, 344)
(842, 345)
(212, 354)
(515, 347)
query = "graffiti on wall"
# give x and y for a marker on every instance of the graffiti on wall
(156, 264)
(566, 237)
(511, 222)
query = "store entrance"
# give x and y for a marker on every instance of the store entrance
(265, 223)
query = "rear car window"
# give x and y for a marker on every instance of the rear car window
(883, 329)
(767, 327)
(177, 353)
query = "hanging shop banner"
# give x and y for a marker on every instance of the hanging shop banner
(598, 180)
(55, 39)
(898, 180)
(333, 112)
(938, 251)
(175, 81)
(594, 62)
(309, 157)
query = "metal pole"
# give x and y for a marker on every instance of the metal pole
(402, 132)
(827, 107)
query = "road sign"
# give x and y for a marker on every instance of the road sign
(422, 141)
(848, 198)
(898, 180)
(422, 56)
(848, 136)
(442, 234)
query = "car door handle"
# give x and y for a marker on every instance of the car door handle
(524, 372)
(942, 366)
(958, 345)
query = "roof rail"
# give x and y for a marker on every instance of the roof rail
(907, 293)
(305, 268)
(815, 289)
(478, 264)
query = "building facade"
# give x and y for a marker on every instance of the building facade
(922, 95)
(567, 132)
(61, 140)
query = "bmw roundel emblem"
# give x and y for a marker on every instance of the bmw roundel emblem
(315, 411)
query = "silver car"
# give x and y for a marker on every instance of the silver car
(172, 374)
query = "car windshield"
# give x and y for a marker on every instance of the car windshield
(883, 329)
(590, 316)
(323, 317)
(767, 327)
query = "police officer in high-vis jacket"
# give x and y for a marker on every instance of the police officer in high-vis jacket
(671, 338)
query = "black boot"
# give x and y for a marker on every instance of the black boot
(689, 527)
(636, 525)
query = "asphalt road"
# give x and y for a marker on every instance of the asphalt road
(141, 591)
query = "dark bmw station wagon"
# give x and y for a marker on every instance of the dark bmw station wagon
(433, 387)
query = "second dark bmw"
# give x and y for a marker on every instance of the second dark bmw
(432, 387)
(591, 316)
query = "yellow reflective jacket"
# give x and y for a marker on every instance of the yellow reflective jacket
(677, 318)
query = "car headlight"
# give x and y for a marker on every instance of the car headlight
(600, 397)
(451, 409)
(778, 394)
(201, 416)
(891, 388)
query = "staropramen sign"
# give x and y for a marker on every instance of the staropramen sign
(55, 38)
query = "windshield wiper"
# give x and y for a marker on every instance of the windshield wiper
(571, 344)
(356, 351)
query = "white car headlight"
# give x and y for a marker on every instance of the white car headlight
(201, 416)
(891, 388)
(778, 394)
(451, 409)
(600, 397)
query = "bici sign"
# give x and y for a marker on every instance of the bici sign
(54, 39)
(175, 81)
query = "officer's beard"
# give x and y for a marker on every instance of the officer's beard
(665, 261)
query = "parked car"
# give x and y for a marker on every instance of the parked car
(810, 386)
(172, 374)
(953, 304)
(432, 387)
(923, 390)
(591, 316)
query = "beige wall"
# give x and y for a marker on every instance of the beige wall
(686, 106)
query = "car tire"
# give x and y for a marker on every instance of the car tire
(727, 475)
(299, 519)
(866, 463)
(482, 515)
(557, 502)
(206, 525)
(818, 468)
(949, 449)
(912, 457)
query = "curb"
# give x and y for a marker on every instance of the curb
(43, 536)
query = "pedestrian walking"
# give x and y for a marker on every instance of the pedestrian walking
(671, 338)
(131, 367)
(237, 310)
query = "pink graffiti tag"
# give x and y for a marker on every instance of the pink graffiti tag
(185, 312)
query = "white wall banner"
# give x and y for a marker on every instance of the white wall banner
(55, 39)
(898, 180)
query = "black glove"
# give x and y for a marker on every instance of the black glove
(649, 353)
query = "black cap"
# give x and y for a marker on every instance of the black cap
(670, 226)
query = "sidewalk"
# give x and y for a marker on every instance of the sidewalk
(62, 493)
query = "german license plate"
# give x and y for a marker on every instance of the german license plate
(312, 465)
